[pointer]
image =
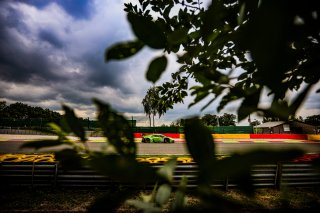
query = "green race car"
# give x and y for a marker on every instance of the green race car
(156, 138)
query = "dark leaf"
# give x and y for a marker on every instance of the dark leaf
(125, 169)
(147, 31)
(248, 105)
(180, 196)
(156, 68)
(69, 159)
(167, 170)
(199, 142)
(74, 123)
(117, 129)
(123, 50)
(178, 36)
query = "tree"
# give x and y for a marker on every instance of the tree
(227, 119)
(270, 119)
(3, 111)
(178, 123)
(255, 123)
(151, 104)
(276, 49)
(20, 110)
(313, 120)
(210, 120)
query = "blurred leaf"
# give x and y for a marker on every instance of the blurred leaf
(239, 163)
(147, 31)
(117, 129)
(123, 168)
(178, 36)
(163, 194)
(41, 144)
(156, 68)
(200, 146)
(248, 105)
(167, 170)
(180, 199)
(69, 158)
(58, 130)
(199, 141)
(123, 50)
(74, 123)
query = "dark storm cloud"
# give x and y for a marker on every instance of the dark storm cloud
(102, 74)
(19, 63)
(23, 63)
(51, 38)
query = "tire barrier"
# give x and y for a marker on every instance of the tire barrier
(44, 171)
(50, 158)
(27, 158)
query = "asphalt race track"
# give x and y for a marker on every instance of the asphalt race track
(11, 144)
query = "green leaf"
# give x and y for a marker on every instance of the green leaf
(235, 164)
(74, 123)
(123, 50)
(167, 170)
(179, 36)
(69, 158)
(180, 197)
(241, 13)
(163, 194)
(58, 130)
(147, 31)
(238, 166)
(156, 68)
(199, 142)
(117, 129)
(41, 144)
(248, 106)
(123, 168)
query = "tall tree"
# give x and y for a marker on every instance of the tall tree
(276, 44)
(151, 104)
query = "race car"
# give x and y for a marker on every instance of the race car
(156, 138)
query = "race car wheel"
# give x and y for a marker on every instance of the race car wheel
(148, 140)
(166, 140)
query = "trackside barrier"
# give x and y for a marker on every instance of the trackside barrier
(44, 174)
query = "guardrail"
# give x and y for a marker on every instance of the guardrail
(50, 174)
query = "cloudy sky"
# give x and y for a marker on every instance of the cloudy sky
(52, 52)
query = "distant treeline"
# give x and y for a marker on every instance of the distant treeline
(23, 116)
(40, 123)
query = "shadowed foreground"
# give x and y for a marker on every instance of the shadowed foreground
(67, 200)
